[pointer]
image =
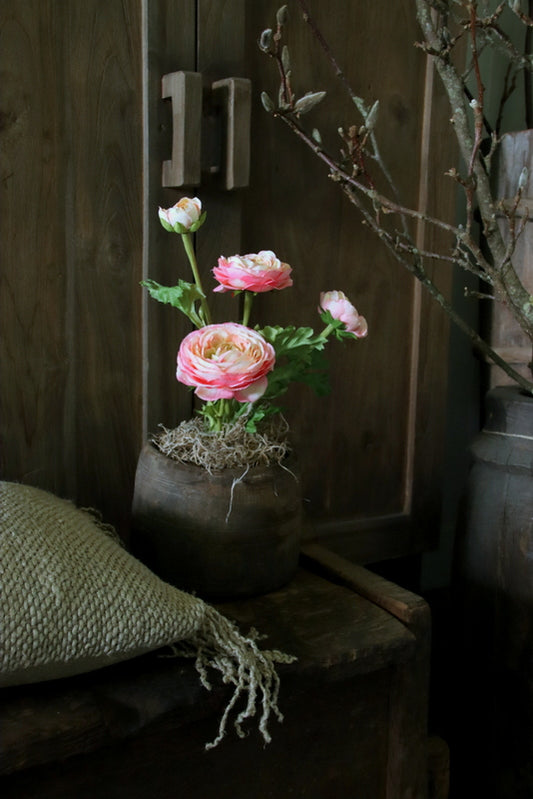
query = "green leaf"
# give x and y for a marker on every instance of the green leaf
(299, 359)
(339, 330)
(284, 339)
(184, 297)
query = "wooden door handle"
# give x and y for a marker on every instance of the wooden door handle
(230, 98)
(185, 92)
(234, 96)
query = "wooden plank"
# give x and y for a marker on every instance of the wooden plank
(72, 233)
(438, 155)
(221, 49)
(170, 47)
(364, 450)
(103, 218)
(338, 637)
(409, 608)
(35, 368)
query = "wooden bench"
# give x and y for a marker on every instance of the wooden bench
(355, 707)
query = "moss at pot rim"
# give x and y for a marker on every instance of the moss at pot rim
(233, 447)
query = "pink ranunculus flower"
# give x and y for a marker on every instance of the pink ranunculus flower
(225, 361)
(257, 272)
(182, 216)
(341, 308)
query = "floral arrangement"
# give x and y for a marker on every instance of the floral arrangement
(239, 371)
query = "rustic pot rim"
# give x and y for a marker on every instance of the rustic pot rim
(252, 473)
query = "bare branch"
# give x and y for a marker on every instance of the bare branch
(444, 24)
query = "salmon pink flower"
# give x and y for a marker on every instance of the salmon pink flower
(257, 272)
(225, 361)
(342, 309)
(184, 217)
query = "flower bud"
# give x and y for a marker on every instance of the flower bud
(184, 217)
(340, 307)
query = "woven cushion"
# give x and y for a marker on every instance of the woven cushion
(72, 599)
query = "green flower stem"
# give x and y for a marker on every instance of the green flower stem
(327, 330)
(189, 249)
(248, 300)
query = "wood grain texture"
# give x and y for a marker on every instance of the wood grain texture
(71, 390)
(506, 336)
(104, 220)
(373, 444)
(35, 366)
(170, 48)
(140, 728)
(88, 361)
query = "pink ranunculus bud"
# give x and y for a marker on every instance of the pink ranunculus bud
(342, 309)
(225, 361)
(257, 272)
(182, 216)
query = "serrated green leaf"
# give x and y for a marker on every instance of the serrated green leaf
(284, 339)
(184, 297)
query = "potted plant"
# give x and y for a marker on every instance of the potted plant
(217, 500)
(488, 243)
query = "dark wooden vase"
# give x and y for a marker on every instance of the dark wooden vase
(495, 602)
(225, 535)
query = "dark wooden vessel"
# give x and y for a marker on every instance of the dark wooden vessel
(233, 533)
(495, 601)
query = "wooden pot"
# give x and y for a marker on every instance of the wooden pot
(225, 535)
(495, 589)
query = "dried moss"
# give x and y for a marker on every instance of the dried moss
(233, 447)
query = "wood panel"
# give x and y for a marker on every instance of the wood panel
(376, 440)
(354, 702)
(170, 47)
(221, 51)
(88, 360)
(72, 243)
(34, 360)
(103, 220)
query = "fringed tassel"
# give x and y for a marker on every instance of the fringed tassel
(218, 644)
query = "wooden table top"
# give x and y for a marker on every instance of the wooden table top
(331, 629)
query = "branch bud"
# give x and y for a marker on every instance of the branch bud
(372, 117)
(308, 101)
(268, 105)
(282, 15)
(265, 40)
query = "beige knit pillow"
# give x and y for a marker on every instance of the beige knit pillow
(72, 599)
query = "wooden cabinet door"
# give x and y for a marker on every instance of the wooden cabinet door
(370, 452)
(71, 242)
(88, 361)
